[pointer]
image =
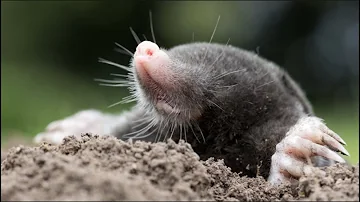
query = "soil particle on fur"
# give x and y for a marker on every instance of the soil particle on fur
(105, 168)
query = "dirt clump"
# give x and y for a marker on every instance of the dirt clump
(338, 182)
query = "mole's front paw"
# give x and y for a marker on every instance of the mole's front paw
(310, 137)
(86, 121)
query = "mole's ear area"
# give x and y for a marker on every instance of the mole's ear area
(308, 139)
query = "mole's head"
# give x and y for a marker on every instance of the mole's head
(181, 83)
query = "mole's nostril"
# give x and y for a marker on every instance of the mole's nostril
(147, 48)
(149, 52)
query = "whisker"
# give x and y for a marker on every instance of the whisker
(185, 133)
(175, 125)
(102, 60)
(180, 131)
(227, 73)
(117, 103)
(140, 124)
(227, 43)
(151, 26)
(122, 75)
(143, 119)
(128, 101)
(220, 55)
(212, 35)
(193, 37)
(129, 98)
(217, 59)
(157, 137)
(125, 49)
(122, 51)
(170, 129)
(165, 126)
(115, 85)
(161, 128)
(264, 84)
(141, 130)
(215, 29)
(112, 81)
(263, 76)
(138, 132)
(135, 36)
(202, 135)
(144, 37)
(191, 128)
(215, 105)
(144, 136)
(129, 135)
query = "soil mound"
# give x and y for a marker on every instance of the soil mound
(106, 168)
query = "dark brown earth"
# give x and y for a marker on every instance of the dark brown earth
(105, 168)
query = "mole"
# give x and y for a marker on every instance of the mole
(227, 102)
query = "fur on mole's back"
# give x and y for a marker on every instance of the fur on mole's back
(252, 116)
(227, 58)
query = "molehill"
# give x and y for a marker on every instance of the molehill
(105, 168)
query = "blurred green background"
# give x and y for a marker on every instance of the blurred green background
(50, 51)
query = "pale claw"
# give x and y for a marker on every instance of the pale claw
(286, 168)
(308, 138)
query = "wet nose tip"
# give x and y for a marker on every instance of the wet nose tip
(146, 48)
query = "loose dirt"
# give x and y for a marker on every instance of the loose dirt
(105, 168)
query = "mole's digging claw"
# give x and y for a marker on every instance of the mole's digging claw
(309, 137)
(326, 130)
